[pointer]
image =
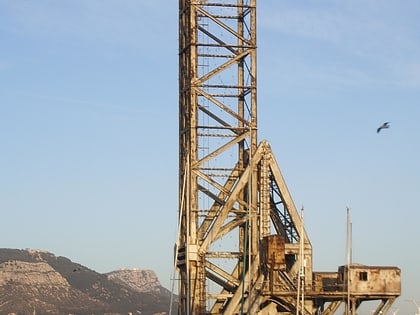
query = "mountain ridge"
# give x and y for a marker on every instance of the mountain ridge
(37, 280)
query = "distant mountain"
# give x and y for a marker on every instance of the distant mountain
(138, 280)
(33, 281)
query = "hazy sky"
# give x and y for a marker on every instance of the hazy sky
(89, 128)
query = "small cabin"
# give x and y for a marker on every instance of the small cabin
(361, 279)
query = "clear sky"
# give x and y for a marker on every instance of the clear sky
(89, 128)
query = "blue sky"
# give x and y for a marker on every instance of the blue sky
(89, 128)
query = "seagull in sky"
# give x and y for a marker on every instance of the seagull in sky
(385, 125)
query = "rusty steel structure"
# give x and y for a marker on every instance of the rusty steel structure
(242, 247)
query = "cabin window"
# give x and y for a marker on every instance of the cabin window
(363, 276)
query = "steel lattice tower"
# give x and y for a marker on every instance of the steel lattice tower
(241, 246)
(217, 138)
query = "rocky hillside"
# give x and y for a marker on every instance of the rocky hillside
(138, 280)
(37, 281)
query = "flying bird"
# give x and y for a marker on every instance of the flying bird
(385, 125)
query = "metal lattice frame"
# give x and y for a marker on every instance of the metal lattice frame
(241, 246)
(223, 217)
(217, 137)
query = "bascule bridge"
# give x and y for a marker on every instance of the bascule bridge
(242, 247)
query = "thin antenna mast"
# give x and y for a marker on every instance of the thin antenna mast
(348, 259)
(303, 263)
(301, 273)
